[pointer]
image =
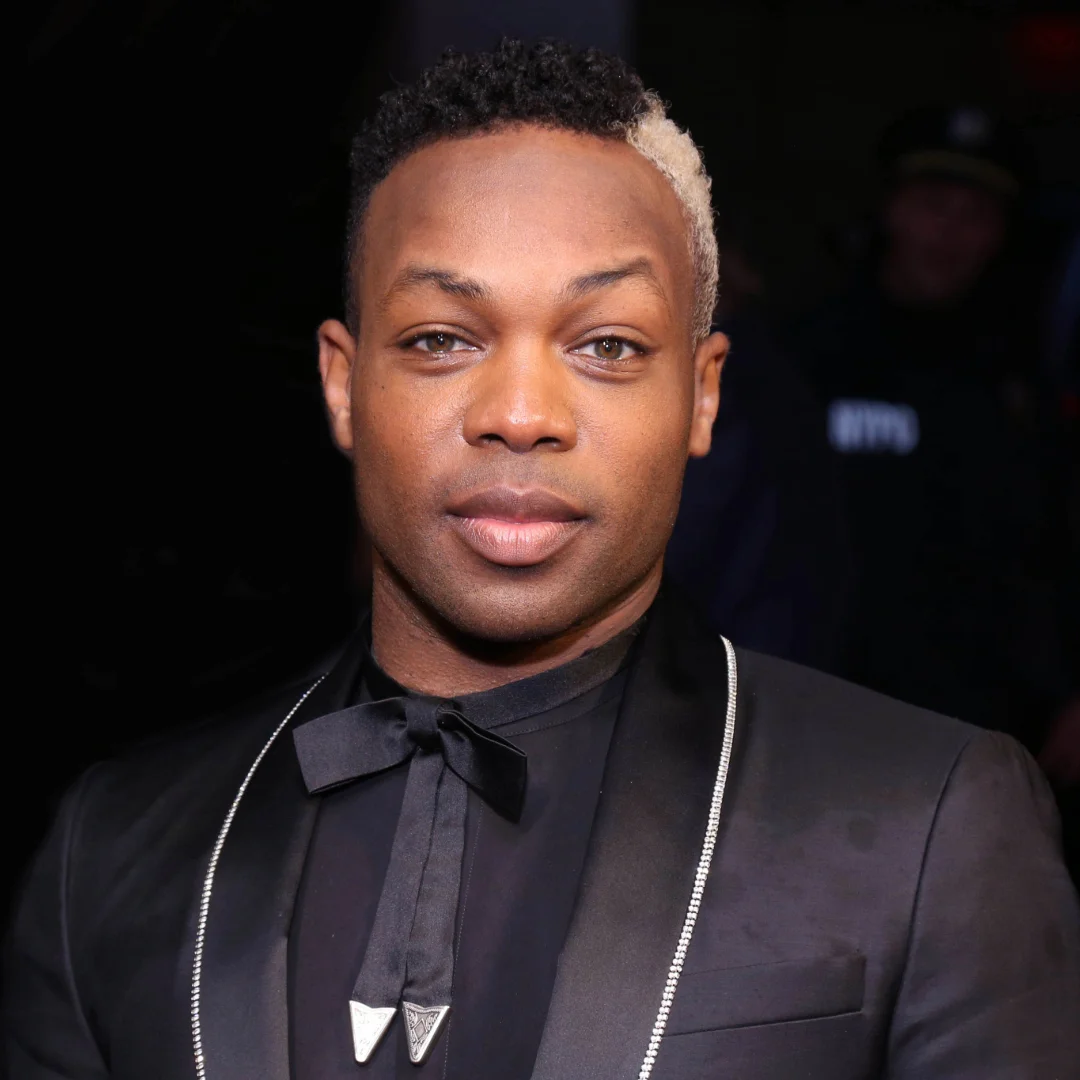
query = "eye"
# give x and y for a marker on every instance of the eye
(438, 343)
(611, 349)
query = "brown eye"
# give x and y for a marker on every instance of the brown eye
(438, 343)
(611, 349)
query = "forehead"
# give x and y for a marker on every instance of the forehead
(522, 208)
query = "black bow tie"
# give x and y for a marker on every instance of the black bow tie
(410, 957)
(366, 739)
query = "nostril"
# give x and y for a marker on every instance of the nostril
(522, 445)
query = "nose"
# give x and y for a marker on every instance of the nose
(521, 401)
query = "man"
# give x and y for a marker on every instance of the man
(534, 822)
(760, 539)
(926, 368)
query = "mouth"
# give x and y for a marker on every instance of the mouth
(515, 528)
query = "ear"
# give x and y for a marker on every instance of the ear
(708, 360)
(337, 354)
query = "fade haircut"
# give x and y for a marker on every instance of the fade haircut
(552, 85)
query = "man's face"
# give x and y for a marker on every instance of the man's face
(523, 392)
(941, 236)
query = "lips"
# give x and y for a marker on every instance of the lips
(515, 528)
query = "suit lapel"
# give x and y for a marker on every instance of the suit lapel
(646, 841)
(244, 978)
(633, 899)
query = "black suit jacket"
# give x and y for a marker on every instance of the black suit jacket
(886, 896)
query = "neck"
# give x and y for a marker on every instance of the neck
(424, 653)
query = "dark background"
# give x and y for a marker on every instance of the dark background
(186, 184)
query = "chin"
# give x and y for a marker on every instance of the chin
(515, 611)
(506, 606)
(502, 606)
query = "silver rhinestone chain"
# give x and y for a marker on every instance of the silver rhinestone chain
(208, 888)
(704, 863)
(702, 875)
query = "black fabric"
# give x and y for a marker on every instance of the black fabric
(410, 952)
(410, 943)
(782, 992)
(246, 1010)
(853, 827)
(643, 858)
(429, 960)
(761, 540)
(352, 829)
(368, 738)
(957, 541)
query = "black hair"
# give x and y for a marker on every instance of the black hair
(552, 84)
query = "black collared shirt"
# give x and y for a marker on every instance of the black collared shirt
(519, 884)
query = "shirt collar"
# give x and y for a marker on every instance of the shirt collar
(526, 697)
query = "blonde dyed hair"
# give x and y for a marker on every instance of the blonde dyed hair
(659, 139)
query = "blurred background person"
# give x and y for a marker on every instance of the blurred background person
(1060, 752)
(761, 540)
(929, 371)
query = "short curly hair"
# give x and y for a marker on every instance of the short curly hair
(551, 84)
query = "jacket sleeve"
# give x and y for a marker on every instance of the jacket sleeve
(991, 987)
(45, 1031)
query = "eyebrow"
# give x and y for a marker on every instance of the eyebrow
(641, 268)
(449, 283)
(469, 289)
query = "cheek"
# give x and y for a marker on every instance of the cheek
(640, 443)
(399, 416)
(913, 228)
(922, 235)
(396, 439)
(981, 241)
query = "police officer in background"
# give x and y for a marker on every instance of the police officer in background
(927, 369)
(760, 540)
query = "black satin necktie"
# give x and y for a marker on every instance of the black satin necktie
(410, 954)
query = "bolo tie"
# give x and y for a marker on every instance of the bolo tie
(409, 960)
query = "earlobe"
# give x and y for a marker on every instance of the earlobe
(337, 353)
(708, 361)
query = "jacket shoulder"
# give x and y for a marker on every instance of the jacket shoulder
(171, 792)
(843, 742)
(171, 753)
